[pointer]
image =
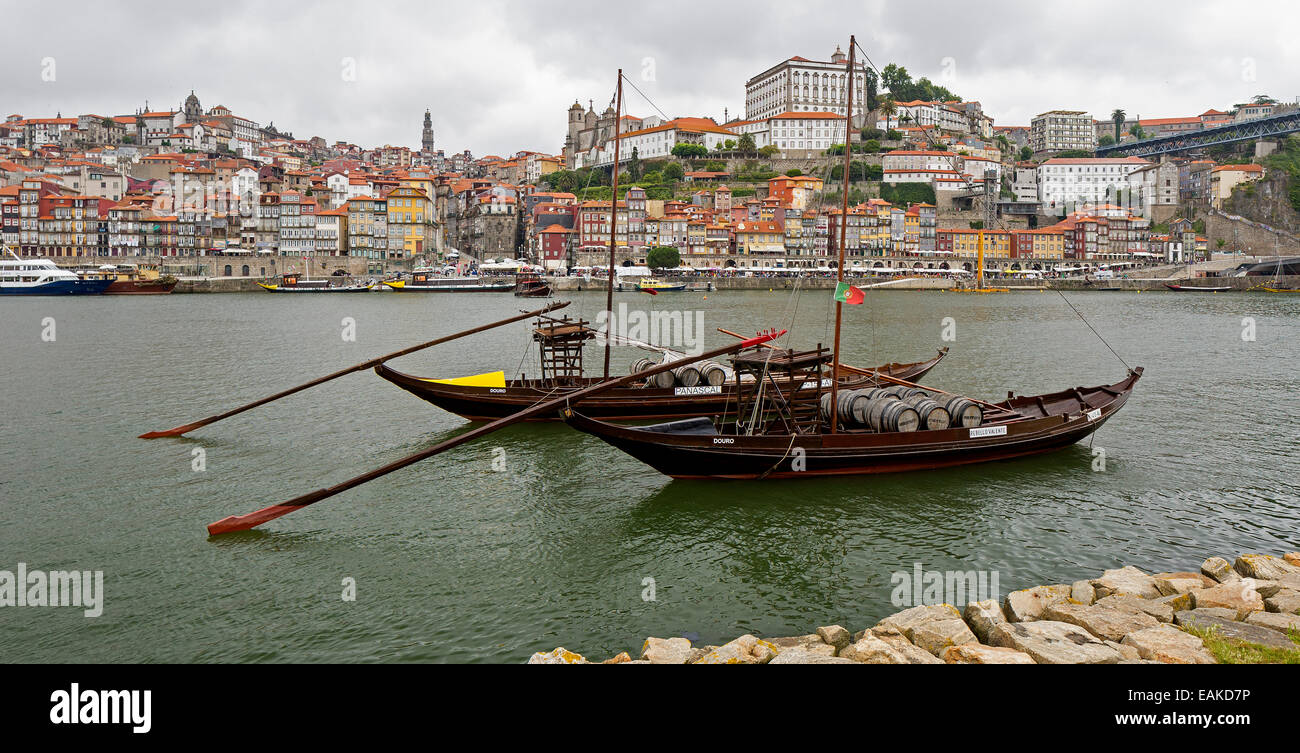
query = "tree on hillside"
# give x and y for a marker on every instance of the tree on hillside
(873, 89)
(1263, 99)
(689, 150)
(769, 151)
(1106, 140)
(634, 165)
(888, 107)
(674, 171)
(663, 257)
(1026, 154)
(1118, 116)
(746, 144)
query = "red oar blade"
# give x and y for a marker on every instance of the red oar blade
(178, 431)
(257, 518)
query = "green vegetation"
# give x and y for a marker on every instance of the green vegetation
(689, 150)
(907, 193)
(674, 171)
(1287, 160)
(1106, 140)
(663, 257)
(903, 89)
(1229, 651)
(573, 181)
(1074, 154)
(1026, 154)
(793, 172)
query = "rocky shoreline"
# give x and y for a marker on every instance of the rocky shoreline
(1124, 616)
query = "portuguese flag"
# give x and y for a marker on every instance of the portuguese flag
(846, 293)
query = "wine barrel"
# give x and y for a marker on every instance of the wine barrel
(887, 414)
(933, 416)
(903, 392)
(874, 392)
(687, 376)
(713, 374)
(964, 412)
(852, 409)
(641, 364)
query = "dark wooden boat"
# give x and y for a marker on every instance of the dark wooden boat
(532, 286)
(1198, 288)
(701, 447)
(139, 286)
(423, 282)
(292, 283)
(482, 402)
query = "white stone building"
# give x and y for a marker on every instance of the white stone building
(802, 85)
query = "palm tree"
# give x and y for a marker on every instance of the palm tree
(888, 107)
(1118, 117)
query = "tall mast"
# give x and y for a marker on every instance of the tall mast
(613, 219)
(844, 221)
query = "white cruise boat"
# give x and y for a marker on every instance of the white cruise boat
(20, 276)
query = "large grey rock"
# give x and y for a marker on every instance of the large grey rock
(899, 642)
(1285, 601)
(1219, 569)
(835, 635)
(1154, 607)
(1169, 645)
(907, 619)
(1171, 584)
(1125, 650)
(559, 655)
(1283, 623)
(1219, 612)
(746, 649)
(1176, 602)
(1267, 588)
(871, 650)
(1238, 631)
(1083, 592)
(811, 643)
(1106, 624)
(940, 634)
(1264, 567)
(1050, 642)
(983, 616)
(1239, 595)
(800, 655)
(666, 650)
(1028, 604)
(1126, 581)
(974, 653)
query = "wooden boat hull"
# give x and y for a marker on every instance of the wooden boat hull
(299, 289)
(1197, 289)
(619, 404)
(140, 287)
(485, 287)
(695, 449)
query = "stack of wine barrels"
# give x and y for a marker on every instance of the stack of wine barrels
(662, 379)
(686, 376)
(713, 374)
(899, 408)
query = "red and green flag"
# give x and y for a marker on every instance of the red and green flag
(846, 293)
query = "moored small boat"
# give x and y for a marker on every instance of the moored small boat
(20, 276)
(423, 282)
(532, 286)
(1198, 288)
(291, 283)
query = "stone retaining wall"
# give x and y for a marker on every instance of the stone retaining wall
(1123, 616)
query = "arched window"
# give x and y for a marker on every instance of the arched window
(244, 270)
(227, 270)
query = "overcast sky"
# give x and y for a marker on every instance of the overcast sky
(498, 76)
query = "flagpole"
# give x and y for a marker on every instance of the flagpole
(844, 221)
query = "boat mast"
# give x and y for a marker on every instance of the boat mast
(613, 219)
(844, 221)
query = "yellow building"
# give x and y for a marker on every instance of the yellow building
(410, 223)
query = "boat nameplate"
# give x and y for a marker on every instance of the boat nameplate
(1094, 414)
(708, 389)
(988, 431)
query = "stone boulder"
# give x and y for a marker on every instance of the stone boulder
(909, 651)
(983, 616)
(974, 653)
(1283, 623)
(1176, 602)
(622, 658)
(666, 650)
(560, 655)
(1028, 604)
(1126, 581)
(907, 619)
(1051, 642)
(835, 635)
(1285, 601)
(1219, 570)
(1191, 614)
(1169, 645)
(1172, 584)
(1292, 558)
(1264, 567)
(811, 643)
(1153, 607)
(800, 655)
(1083, 592)
(1106, 624)
(1239, 595)
(871, 650)
(746, 649)
(939, 635)
(1237, 631)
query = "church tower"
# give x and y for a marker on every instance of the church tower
(426, 138)
(193, 112)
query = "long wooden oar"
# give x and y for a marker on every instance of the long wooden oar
(179, 430)
(893, 380)
(253, 519)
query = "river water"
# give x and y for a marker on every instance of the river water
(455, 560)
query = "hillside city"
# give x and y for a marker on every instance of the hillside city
(930, 173)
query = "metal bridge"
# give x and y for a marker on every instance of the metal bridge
(1247, 130)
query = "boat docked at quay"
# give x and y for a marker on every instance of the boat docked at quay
(19, 276)
(291, 283)
(424, 282)
(127, 279)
